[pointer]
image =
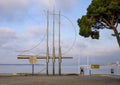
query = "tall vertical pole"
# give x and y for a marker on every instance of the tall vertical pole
(47, 47)
(78, 64)
(53, 56)
(59, 48)
(88, 64)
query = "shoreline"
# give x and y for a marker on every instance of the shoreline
(29, 74)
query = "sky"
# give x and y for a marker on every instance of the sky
(23, 31)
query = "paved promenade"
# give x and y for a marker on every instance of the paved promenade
(59, 80)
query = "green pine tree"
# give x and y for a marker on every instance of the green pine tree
(101, 14)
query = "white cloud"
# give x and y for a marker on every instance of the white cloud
(12, 41)
(33, 32)
(45, 3)
(19, 10)
(6, 35)
(59, 4)
(13, 4)
(7, 38)
(13, 10)
(66, 4)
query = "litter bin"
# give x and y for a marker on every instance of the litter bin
(112, 71)
(82, 71)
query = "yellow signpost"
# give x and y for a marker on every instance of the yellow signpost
(95, 66)
(33, 60)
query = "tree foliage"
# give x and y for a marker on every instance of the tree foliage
(100, 14)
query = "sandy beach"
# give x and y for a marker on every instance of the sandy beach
(59, 80)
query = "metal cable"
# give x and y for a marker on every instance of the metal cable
(74, 36)
(45, 35)
(35, 45)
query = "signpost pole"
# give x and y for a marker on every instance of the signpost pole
(33, 60)
(32, 69)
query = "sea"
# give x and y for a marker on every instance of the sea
(41, 69)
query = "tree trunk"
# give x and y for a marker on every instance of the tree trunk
(116, 35)
(111, 25)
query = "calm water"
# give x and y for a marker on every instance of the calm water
(27, 68)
